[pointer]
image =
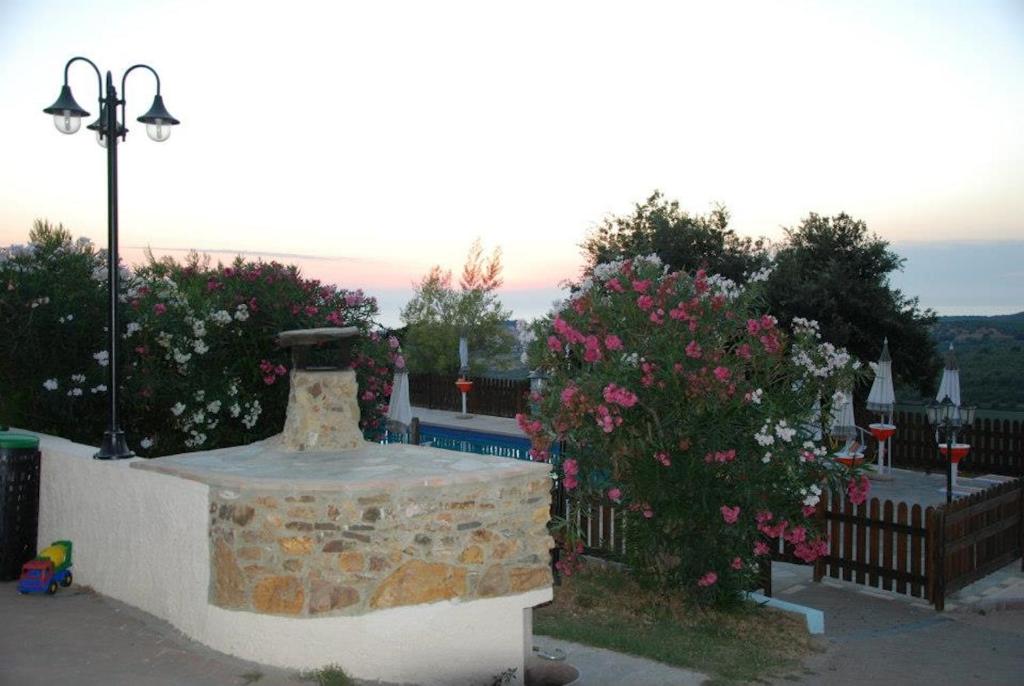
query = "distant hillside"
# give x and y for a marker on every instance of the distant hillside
(990, 351)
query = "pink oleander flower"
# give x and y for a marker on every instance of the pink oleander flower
(761, 548)
(159, 309)
(280, 370)
(615, 285)
(645, 302)
(612, 342)
(269, 379)
(554, 344)
(722, 373)
(693, 350)
(743, 351)
(663, 458)
(615, 495)
(641, 286)
(809, 510)
(737, 563)
(858, 490)
(618, 395)
(592, 352)
(753, 326)
(730, 514)
(797, 534)
(709, 579)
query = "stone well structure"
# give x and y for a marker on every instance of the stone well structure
(400, 563)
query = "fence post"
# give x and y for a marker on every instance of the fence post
(819, 563)
(937, 557)
(414, 431)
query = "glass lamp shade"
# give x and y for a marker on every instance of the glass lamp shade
(158, 121)
(947, 410)
(67, 122)
(967, 414)
(158, 131)
(932, 410)
(67, 114)
(98, 127)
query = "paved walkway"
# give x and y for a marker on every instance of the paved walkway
(873, 636)
(80, 637)
(453, 419)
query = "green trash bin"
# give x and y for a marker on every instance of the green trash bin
(19, 501)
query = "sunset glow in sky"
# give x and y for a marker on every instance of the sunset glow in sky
(379, 138)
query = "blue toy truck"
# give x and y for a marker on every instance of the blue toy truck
(51, 568)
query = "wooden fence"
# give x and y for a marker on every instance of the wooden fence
(975, 536)
(997, 445)
(922, 552)
(880, 544)
(496, 397)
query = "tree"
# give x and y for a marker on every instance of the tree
(830, 269)
(439, 314)
(683, 242)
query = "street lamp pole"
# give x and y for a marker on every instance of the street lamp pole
(68, 118)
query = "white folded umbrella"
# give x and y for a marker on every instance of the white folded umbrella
(882, 398)
(950, 383)
(399, 409)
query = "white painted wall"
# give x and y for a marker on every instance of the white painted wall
(141, 537)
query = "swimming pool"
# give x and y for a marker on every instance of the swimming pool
(465, 441)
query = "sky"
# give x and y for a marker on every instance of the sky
(368, 141)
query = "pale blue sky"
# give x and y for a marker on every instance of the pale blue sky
(391, 134)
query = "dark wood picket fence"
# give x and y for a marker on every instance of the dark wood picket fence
(997, 445)
(496, 397)
(883, 544)
(975, 536)
(927, 552)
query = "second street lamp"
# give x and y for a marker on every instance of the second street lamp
(67, 117)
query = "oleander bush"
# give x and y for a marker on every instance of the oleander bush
(696, 416)
(200, 368)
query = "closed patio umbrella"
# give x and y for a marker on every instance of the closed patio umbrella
(843, 423)
(399, 409)
(950, 383)
(882, 399)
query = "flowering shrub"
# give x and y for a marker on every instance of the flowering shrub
(694, 415)
(201, 367)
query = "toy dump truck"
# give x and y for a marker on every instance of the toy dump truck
(50, 568)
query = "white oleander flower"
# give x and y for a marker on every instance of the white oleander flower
(177, 409)
(50, 384)
(102, 358)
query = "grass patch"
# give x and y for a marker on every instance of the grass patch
(251, 677)
(331, 675)
(607, 609)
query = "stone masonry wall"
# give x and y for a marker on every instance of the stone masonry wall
(340, 553)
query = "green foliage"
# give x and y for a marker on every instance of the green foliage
(684, 242)
(830, 269)
(331, 675)
(201, 369)
(675, 399)
(439, 314)
(990, 353)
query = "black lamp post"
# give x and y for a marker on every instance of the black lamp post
(948, 419)
(67, 116)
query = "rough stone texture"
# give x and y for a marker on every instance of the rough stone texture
(420, 582)
(322, 412)
(351, 552)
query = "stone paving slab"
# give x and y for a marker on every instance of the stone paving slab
(503, 426)
(370, 467)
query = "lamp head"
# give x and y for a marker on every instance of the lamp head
(932, 410)
(99, 127)
(158, 121)
(67, 114)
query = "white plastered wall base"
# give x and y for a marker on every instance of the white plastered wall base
(142, 537)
